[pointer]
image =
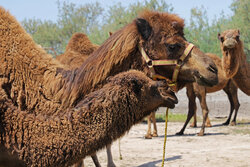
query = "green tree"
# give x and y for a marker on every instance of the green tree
(203, 33)
(81, 18)
(117, 15)
(46, 33)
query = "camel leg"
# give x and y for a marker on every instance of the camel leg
(154, 123)
(194, 124)
(202, 98)
(191, 107)
(110, 158)
(149, 135)
(95, 160)
(232, 93)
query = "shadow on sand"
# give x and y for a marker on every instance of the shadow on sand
(193, 134)
(153, 163)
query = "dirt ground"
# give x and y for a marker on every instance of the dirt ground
(221, 146)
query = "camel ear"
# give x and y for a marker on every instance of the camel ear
(144, 28)
(239, 32)
(175, 24)
(136, 86)
(219, 36)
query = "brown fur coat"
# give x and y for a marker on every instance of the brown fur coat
(102, 117)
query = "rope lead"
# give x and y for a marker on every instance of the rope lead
(165, 138)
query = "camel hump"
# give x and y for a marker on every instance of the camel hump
(80, 43)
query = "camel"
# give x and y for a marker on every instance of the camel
(194, 90)
(125, 100)
(234, 62)
(41, 89)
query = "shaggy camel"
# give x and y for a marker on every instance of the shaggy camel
(194, 90)
(36, 84)
(234, 62)
(77, 51)
(61, 139)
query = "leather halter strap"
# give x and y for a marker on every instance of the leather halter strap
(178, 63)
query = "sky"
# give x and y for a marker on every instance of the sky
(47, 9)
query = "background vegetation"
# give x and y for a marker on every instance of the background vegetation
(96, 22)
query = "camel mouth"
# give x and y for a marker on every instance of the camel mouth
(170, 99)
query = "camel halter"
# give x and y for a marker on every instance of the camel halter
(178, 63)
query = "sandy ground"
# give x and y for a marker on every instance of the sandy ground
(221, 146)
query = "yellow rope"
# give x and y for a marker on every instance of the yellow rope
(165, 138)
(120, 152)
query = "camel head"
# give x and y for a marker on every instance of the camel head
(230, 44)
(162, 38)
(152, 94)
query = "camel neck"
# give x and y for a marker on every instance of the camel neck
(242, 77)
(118, 53)
(72, 134)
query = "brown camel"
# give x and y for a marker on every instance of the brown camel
(194, 90)
(234, 62)
(63, 138)
(45, 92)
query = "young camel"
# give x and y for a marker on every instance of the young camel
(69, 135)
(234, 62)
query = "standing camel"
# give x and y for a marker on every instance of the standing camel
(194, 90)
(234, 62)
(46, 93)
(233, 65)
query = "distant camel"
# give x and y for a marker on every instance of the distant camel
(234, 62)
(40, 98)
(194, 90)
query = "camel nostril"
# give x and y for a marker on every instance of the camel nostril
(213, 69)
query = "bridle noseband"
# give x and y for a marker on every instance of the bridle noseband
(178, 63)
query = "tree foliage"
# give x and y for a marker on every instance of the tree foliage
(96, 22)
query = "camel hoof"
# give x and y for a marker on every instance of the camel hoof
(179, 133)
(225, 123)
(155, 135)
(148, 136)
(208, 125)
(201, 134)
(233, 123)
(193, 125)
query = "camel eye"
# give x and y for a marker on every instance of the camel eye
(172, 47)
(222, 39)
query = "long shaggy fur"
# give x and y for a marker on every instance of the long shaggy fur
(66, 137)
